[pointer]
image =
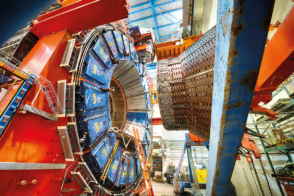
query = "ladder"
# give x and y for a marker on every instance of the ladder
(143, 162)
(107, 167)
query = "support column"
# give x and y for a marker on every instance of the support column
(241, 33)
(154, 17)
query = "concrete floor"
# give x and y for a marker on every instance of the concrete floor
(165, 189)
(162, 189)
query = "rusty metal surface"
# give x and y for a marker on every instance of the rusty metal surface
(241, 33)
(166, 99)
(198, 69)
(220, 72)
(185, 87)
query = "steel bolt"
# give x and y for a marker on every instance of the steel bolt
(34, 182)
(23, 182)
(58, 179)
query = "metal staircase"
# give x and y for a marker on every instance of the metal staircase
(19, 69)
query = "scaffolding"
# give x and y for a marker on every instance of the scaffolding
(285, 108)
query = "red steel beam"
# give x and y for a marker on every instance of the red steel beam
(276, 65)
(277, 61)
(278, 56)
(81, 15)
(156, 121)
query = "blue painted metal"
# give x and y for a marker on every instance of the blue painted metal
(126, 46)
(138, 166)
(97, 158)
(119, 172)
(142, 12)
(168, 13)
(169, 36)
(132, 169)
(119, 44)
(109, 38)
(115, 165)
(193, 175)
(133, 54)
(168, 25)
(123, 178)
(129, 22)
(178, 186)
(151, 65)
(131, 30)
(176, 183)
(94, 120)
(148, 8)
(95, 70)
(95, 98)
(189, 147)
(151, 68)
(94, 101)
(241, 33)
(15, 102)
(154, 18)
(201, 143)
(101, 52)
(149, 17)
(183, 185)
(97, 127)
(137, 117)
(165, 16)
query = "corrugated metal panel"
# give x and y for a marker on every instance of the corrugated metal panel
(175, 16)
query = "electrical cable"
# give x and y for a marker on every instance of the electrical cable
(250, 166)
(69, 173)
(265, 176)
(248, 183)
(66, 174)
(257, 178)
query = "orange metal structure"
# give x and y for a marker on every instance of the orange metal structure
(194, 138)
(154, 97)
(156, 121)
(278, 57)
(248, 143)
(287, 185)
(141, 46)
(66, 2)
(80, 15)
(174, 48)
(31, 138)
(44, 58)
(143, 163)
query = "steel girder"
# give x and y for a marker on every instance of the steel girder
(168, 25)
(148, 8)
(241, 33)
(152, 4)
(163, 14)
